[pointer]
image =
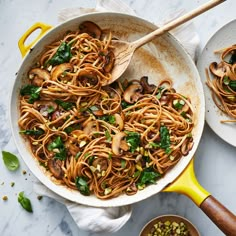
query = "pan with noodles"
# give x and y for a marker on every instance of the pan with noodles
(105, 140)
(110, 145)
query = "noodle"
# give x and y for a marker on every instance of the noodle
(223, 85)
(105, 140)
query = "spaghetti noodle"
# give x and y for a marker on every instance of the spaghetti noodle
(105, 140)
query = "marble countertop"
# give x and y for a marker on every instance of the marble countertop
(214, 163)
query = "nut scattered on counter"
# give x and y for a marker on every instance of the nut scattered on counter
(5, 198)
(168, 228)
(40, 197)
(24, 172)
(12, 184)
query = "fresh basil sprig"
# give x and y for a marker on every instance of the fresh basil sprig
(10, 161)
(25, 202)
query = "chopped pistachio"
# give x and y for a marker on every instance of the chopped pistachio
(12, 184)
(5, 198)
(24, 172)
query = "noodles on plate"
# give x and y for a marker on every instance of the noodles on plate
(102, 140)
(223, 85)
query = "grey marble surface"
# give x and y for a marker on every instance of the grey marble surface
(214, 163)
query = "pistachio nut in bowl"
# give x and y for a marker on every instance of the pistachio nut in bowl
(169, 225)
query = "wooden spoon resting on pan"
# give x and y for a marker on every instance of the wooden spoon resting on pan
(124, 51)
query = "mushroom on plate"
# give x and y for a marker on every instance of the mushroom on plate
(148, 88)
(217, 69)
(118, 143)
(38, 76)
(54, 165)
(133, 93)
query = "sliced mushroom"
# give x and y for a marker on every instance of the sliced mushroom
(187, 146)
(43, 106)
(38, 76)
(60, 69)
(54, 166)
(148, 88)
(133, 93)
(90, 28)
(118, 143)
(109, 61)
(119, 121)
(90, 127)
(100, 164)
(217, 69)
(86, 78)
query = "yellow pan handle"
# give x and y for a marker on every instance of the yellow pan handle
(21, 43)
(188, 185)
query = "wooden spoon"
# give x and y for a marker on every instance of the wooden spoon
(124, 51)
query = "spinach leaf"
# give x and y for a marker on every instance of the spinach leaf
(148, 176)
(108, 136)
(133, 139)
(32, 90)
(62, 55)
(109, 118)
(125, 104)
(36, 132)
(10, 161)
(165, 137)
(61, 150)
(25, 202)
(65, 105)
(81, 184)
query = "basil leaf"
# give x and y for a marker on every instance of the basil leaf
(82, 185)
(10, 161)
(62, 55)
(36, 132)
(125, 104)
(165, 137)
(25, 202)
(108, 136)
(65, 105)
(32, 90)
(232, 84)
(232, 59)
(133, 139)
(109, 118)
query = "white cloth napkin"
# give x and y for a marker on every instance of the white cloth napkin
(111, 219)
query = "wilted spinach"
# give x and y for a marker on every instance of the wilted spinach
(31, 90)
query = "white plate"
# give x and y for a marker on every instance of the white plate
(224, 37)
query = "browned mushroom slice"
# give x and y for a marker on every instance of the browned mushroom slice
(55, 167)
(217, 69)
(119, 121)
(90, 127)
(148, 88)
(187, 146)
(87, 78)
(60, 69)
(44, 107)
(118, 143)
(38, 76)
(133, 93)
(90, 28)
(109, 61)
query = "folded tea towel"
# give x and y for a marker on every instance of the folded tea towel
(111, 219)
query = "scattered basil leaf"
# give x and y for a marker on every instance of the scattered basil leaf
(232, 84)
(133, 139)
(109, 118)
(36, 132)
(62, 55)
(58, 144)
(10, 161)
(50, 109)
(25, 202)
(82, 185)
(165, 137)
(125, 104)
(32, 90)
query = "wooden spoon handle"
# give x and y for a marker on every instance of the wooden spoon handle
(173, 24)
(220, 215)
